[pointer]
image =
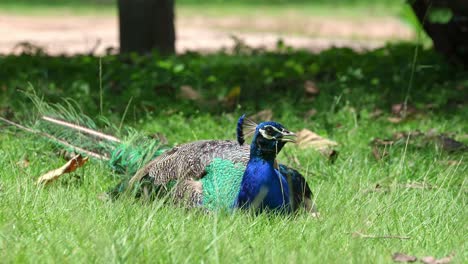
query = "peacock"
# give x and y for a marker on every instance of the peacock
(209, 174)
(226, 174)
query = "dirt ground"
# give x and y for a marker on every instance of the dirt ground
(83, 34)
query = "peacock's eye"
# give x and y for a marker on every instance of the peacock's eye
(269, 130)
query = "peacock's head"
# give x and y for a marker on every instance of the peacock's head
(273, 132)
(269, 138)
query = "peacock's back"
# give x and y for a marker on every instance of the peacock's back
(190, 161)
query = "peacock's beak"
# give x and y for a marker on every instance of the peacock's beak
(287, 136)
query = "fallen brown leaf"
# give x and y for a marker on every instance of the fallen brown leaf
(361, 235)
(379, 153)
(419, 140)
(309, 139)
(451, 162)
(70, 166)
(382, 142)
(405, 135)
(187, 92)
(160, 137)
(234, 93)
(376, 113)
(400, 257)
(430, 106)
(104, 197)
(311, 88)
(450, 144)
(432, 260)
(376, 188)
(263, 115)
(24, 163)
(6, 112)
(402, 110)
(232, 98)
(418, 185)
(312, 112)
(395, 120)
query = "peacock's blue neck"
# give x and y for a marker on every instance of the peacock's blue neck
(262, 185)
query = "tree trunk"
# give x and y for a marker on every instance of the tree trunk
(146, 25)
(451, 38)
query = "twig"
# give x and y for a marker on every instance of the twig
(63, 142)
(81, 128)
(361, 235)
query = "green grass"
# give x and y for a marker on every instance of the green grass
(66, 222)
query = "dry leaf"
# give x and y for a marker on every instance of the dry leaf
(379, 150)
(403, 110)
(234, 93)
(430, 106)
(232, 97)
(187, 92)
(376, 113)
(263, 115)
(70, 166)
(432, 260)
(24, 163)
(417, 139)
(379, 153)
(361, 235)
(395, 120)
(312, 112)
(104, 197)
(311, 88)
(418, 185)
(382, 142)
(451, 162)
(308, 139)
(406, 135)
(160, 137)
(450, 144)
(377, 188)
(400, 257)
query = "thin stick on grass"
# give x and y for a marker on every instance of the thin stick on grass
(361, 235)
(81, 129)
(60, 141)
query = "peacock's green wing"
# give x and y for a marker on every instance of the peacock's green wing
(221, 184)
(189, 164)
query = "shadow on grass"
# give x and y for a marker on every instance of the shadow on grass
(368, 80)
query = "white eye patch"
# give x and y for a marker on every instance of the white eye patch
(266, 135)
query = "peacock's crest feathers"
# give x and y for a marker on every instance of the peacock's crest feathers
(245, 127)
